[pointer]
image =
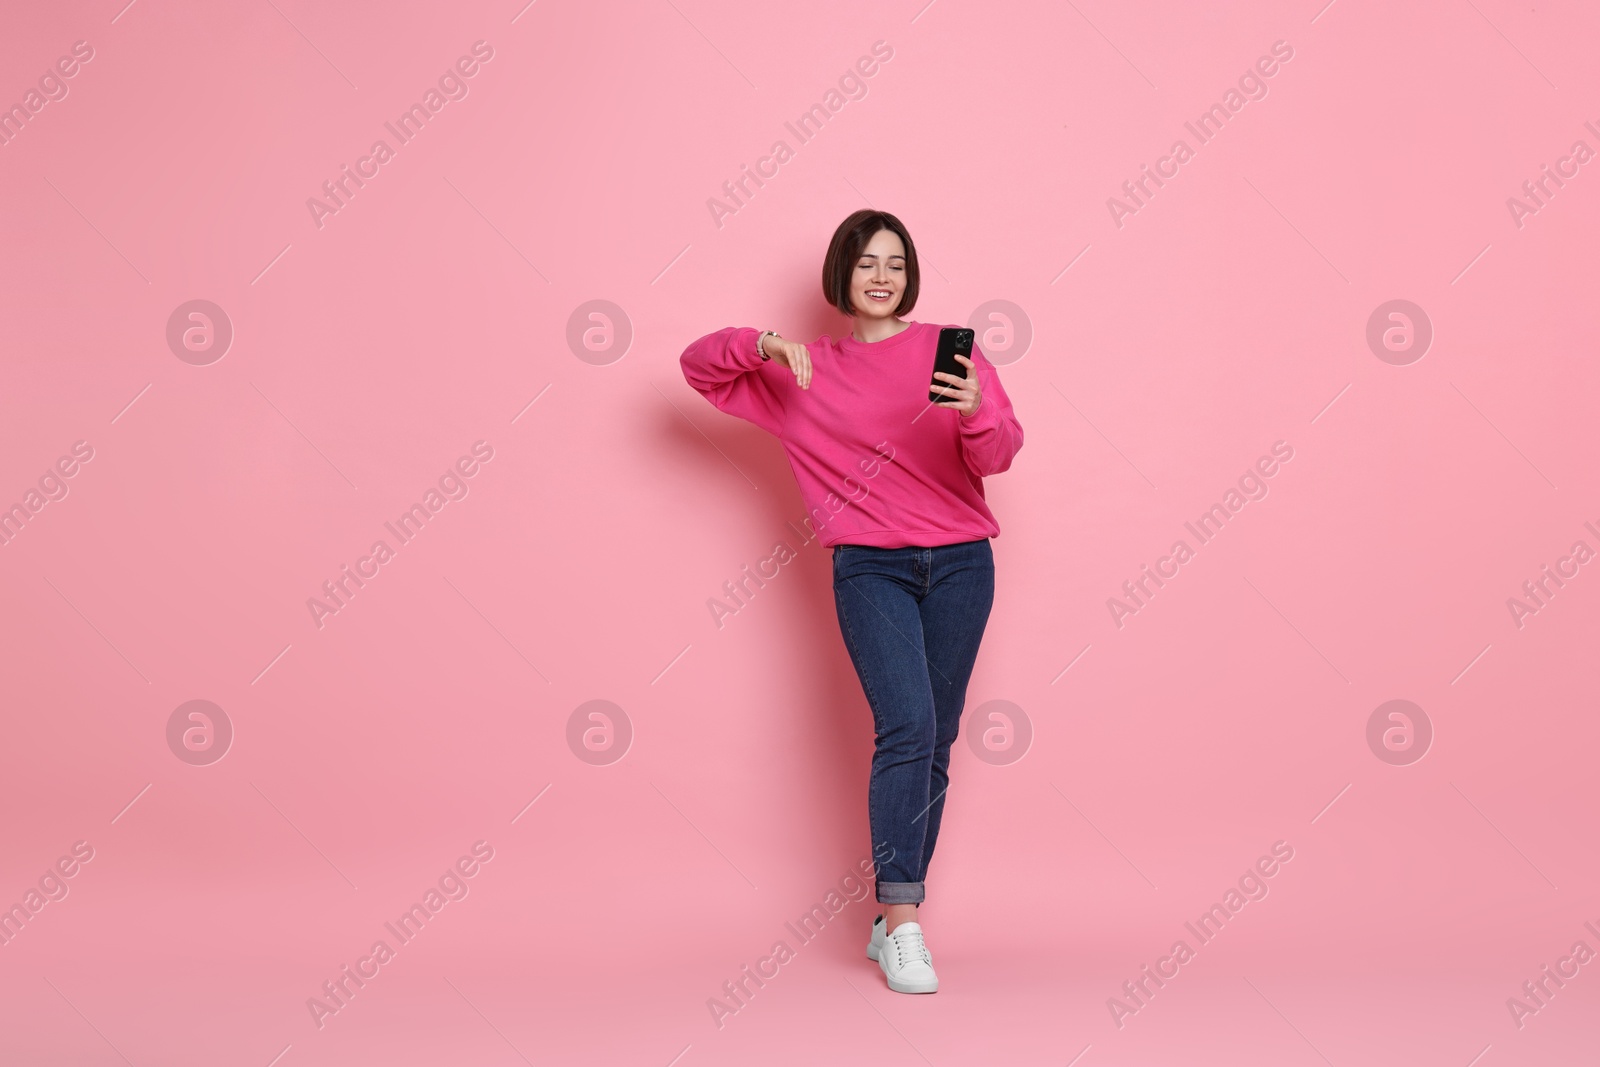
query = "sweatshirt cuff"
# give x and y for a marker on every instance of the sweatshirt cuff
(982, 419)
(744, 347)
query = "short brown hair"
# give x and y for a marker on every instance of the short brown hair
(845, 248)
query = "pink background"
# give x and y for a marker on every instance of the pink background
(369, 354)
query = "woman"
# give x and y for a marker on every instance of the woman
(895, 487)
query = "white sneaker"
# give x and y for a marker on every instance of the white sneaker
(905, 960)
(875, 943)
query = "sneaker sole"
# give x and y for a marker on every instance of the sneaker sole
(909, 987)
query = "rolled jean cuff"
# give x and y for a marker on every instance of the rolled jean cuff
(900, 893)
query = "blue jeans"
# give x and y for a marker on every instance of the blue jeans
(912, 619)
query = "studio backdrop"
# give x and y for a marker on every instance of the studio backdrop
(403, 664)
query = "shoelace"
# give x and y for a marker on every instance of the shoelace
(910, 946)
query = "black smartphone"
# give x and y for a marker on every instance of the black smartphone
(953, 340)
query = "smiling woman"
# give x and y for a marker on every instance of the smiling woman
(913, 571)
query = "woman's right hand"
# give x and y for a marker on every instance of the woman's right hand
(790, 354)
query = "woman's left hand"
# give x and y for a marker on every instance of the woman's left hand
(964, 394)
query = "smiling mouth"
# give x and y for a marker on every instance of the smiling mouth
(879, 295)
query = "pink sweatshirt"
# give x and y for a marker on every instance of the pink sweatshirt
(877, 463)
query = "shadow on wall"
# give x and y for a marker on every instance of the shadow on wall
(812, 672)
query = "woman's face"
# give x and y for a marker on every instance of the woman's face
(879, 277)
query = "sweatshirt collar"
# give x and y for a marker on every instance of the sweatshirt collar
(851, 345)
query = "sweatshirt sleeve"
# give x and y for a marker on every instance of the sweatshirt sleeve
(990, 436)
(725, 368)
